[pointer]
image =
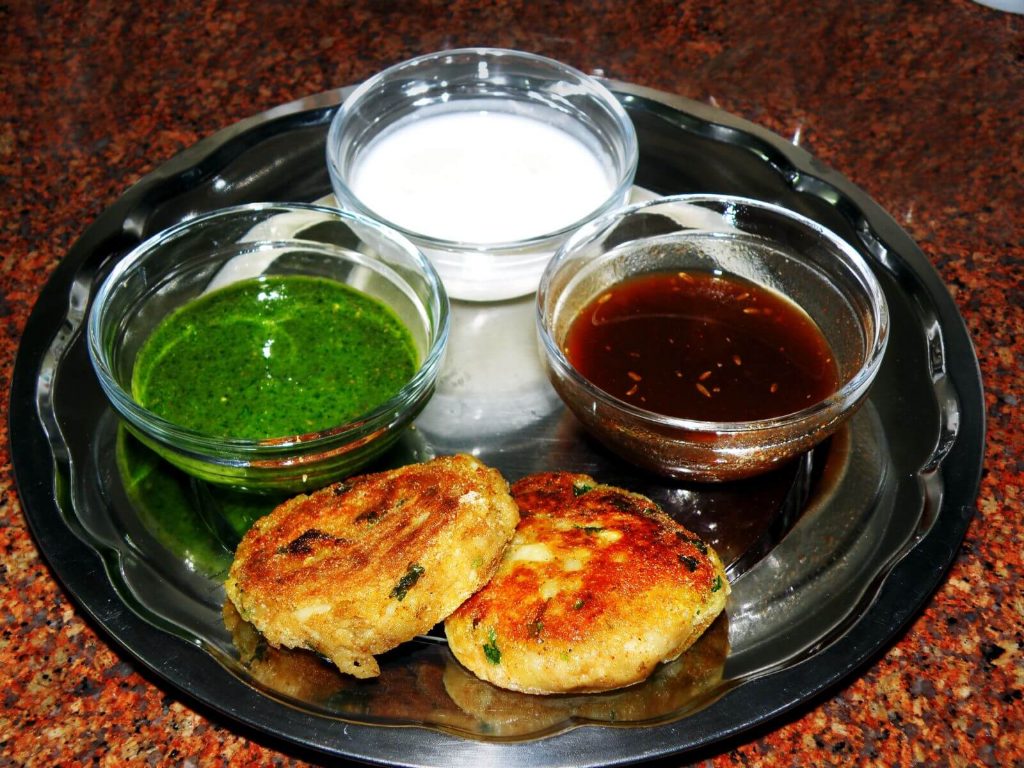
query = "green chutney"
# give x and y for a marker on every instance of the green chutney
(273, 356)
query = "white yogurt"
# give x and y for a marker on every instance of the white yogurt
(480, 177)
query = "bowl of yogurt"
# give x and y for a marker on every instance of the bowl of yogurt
(487, 159)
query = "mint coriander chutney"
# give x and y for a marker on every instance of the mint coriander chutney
(273, 356)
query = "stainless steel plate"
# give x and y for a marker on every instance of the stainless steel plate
(829, 557)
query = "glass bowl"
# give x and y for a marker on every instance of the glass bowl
(485, 158)
(211, 251)
(765, 244)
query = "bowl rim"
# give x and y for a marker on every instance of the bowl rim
(216, 448)
(624, 182)
(848, 395)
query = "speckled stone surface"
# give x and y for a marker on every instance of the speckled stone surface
(919, 103)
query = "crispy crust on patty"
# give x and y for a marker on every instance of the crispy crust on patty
(597, 588)
(359, 567)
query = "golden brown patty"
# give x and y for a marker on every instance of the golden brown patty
(597, 587)
(359, 567)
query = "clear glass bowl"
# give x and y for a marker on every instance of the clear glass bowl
(769, 245)
(476, 81)
(210, 251)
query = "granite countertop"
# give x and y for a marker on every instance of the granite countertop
(921, 104)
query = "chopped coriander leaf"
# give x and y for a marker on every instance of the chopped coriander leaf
(491, 650)
(579, 488)
(407, 581)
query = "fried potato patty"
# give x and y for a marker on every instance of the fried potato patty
(598, 586)
(359, 567)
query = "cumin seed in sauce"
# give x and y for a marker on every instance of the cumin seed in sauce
(702, 345)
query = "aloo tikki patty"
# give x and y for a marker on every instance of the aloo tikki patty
(359, 567)
(597, 588)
